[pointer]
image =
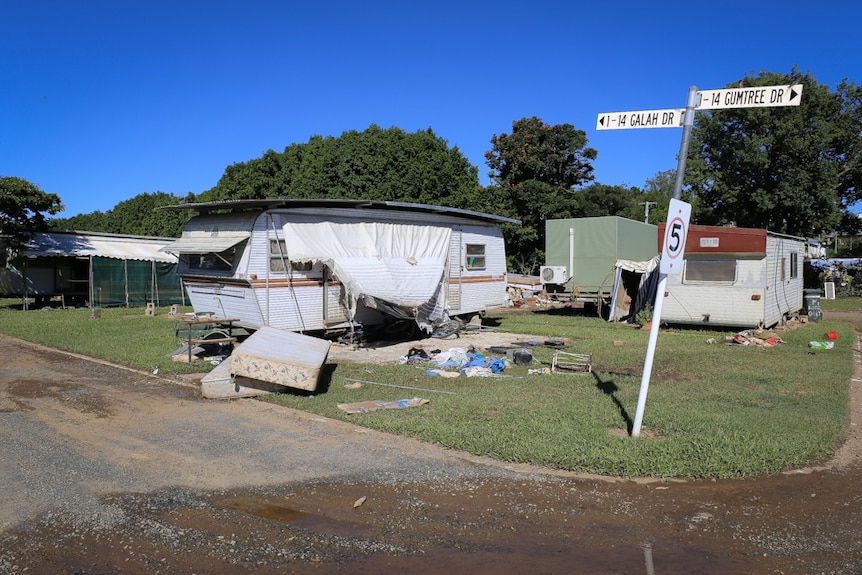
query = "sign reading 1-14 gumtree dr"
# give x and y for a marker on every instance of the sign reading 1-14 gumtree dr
(754, 97)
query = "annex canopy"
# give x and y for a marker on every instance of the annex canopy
(70, 244)
(204, 245)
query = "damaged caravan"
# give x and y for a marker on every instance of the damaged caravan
(736, 277)
(330, 266)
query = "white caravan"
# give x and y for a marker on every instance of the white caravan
(735, 277)
(330, 266)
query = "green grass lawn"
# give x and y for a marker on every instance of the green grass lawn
(841, 304)
(713, 409)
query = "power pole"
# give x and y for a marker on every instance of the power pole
(646, 209)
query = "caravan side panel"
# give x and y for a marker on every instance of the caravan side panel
(223, 299)
(476, 287)
(784, 257)
(728, 303)
(293, 303)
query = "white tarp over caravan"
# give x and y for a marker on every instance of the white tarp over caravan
(384, 264)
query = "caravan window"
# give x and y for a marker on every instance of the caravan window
(278, 258)
(475, 256)
(697, 271)
(222, 261)
(794, 265)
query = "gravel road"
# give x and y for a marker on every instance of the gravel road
(109, 470)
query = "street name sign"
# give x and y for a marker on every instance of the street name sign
(753, 97)
(671, 118)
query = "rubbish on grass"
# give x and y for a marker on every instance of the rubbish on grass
(747, 338)
(552, 343)
(830, 335)
(369, 406)
(565, 362)
(520, 356)
(821, 344)
(477, 371)
(455, 361)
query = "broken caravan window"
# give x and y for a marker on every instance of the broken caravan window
(710, 271)
(212, 261)
(475, 256)
(278, 259)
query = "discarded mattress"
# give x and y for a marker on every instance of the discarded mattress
(282, 357)
(220, 384)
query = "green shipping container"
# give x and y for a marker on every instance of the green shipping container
(588, 248)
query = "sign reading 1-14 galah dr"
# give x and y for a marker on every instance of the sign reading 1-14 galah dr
(753, 97)
(644, 119)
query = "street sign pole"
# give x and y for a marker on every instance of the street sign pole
(687, 123)
(673, 247)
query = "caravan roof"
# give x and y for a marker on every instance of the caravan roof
(286, 203)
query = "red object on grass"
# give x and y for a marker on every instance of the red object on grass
(831, 335)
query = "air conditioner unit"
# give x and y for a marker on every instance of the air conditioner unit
(554, 274)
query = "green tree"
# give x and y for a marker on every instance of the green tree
(535, 170)
(659, 190)
(90, 222)
(136, 216)
(375, 164)
(604, 200)
(23, 206)
(793, 170)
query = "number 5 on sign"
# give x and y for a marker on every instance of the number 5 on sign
(675, 232)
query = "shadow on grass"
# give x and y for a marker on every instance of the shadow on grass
(609, 388)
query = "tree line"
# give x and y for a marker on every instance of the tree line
(791, 170)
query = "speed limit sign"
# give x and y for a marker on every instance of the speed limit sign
(675, 232)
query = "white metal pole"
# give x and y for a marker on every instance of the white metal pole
(650, 355)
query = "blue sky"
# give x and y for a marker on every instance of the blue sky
(103, 100)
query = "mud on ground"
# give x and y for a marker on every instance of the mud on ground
(108, 470)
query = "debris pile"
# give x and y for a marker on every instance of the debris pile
(757, 338)
(454, 362)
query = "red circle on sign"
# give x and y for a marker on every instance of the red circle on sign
(668, 234)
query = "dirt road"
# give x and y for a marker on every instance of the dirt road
(107, 470)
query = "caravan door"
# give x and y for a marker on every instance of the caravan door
(455, 271)
(334, 300)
